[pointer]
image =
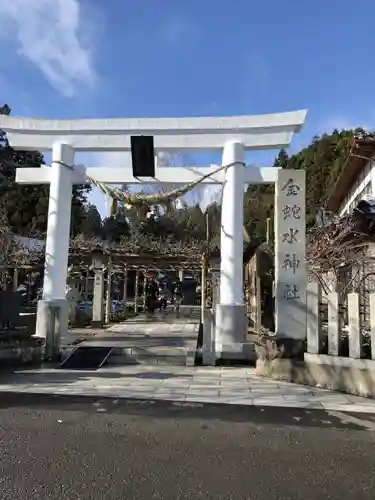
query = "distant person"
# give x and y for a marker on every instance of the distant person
(163, 294)
(177, 292)
(152, 293)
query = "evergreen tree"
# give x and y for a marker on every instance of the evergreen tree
(26, 206)
(91, 222)
(115, 228)
(259, 203)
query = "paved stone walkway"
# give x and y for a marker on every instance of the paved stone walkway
(162, 337)
(144, 327)
(150, 331)
(238, 386)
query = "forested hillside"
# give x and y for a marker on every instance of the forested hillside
(323, 160)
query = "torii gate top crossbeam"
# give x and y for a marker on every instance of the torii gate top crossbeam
(170, 134)
(172, 175)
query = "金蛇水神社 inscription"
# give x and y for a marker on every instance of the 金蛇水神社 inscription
(290, 269)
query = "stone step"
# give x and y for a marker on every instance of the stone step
(147, 359)
(152, 356)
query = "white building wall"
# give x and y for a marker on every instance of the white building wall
(364, 185)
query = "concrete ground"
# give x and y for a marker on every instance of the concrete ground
(69, 447)
(168, 432)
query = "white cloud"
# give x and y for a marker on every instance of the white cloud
(49, 34)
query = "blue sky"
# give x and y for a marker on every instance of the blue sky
(124, 58)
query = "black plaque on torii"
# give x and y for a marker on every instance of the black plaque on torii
(143, 155)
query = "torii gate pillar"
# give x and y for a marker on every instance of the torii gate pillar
(53, 309)
(230, 320)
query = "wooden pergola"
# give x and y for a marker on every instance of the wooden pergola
(131, 253)
(142, 255)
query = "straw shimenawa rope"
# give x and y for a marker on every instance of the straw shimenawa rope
(142, 202)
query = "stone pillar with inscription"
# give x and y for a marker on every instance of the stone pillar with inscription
(290, 261)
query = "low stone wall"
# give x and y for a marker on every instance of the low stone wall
(352, 376)
(17, 353)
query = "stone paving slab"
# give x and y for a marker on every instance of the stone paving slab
(223, 385)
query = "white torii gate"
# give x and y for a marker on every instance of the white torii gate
(232, 135)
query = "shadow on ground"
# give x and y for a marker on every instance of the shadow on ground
(259, 416)
(69, 377)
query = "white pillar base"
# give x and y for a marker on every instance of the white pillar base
(52, 325)
(230, 328)
(208, 350)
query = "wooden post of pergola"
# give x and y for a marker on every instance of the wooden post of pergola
(107, 318)
(15, 278)
(203, 287)
(87, 275)
(125, 293)
(144, 290)
(136, 286)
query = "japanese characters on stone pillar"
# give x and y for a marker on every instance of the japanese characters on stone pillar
(290, 248)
